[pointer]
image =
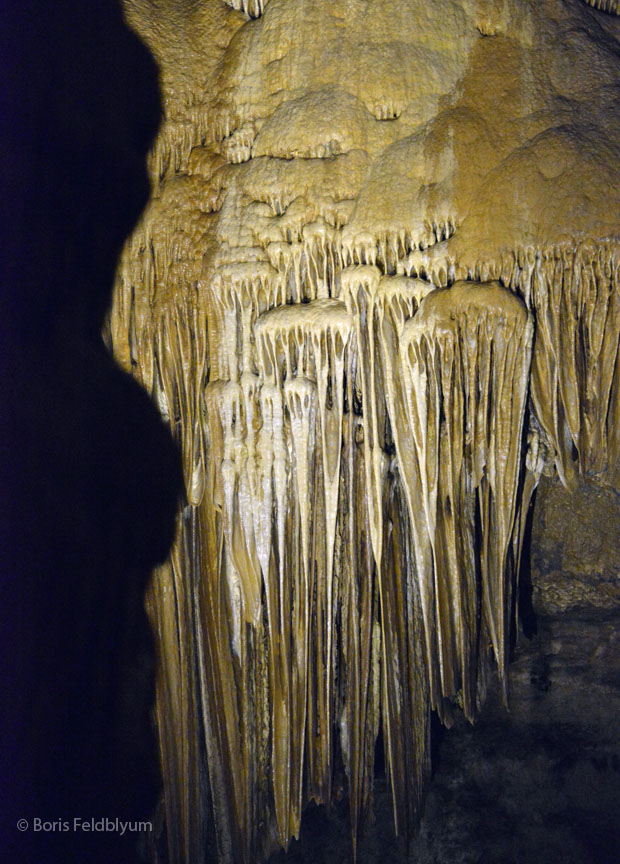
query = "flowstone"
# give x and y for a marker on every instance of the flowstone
(375, 294)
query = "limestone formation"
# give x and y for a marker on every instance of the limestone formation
(375, 294)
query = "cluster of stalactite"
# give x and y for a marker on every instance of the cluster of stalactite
(605, 5)
(254, 8)
(369, 339)
(358, 473)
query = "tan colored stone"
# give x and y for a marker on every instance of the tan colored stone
(369, 220)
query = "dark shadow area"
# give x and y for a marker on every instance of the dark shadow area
(380, 752)
(438, 733)
(527, 615)
(90, 476)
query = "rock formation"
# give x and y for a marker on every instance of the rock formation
(375, 294)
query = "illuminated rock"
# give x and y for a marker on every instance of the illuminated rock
(375, 295)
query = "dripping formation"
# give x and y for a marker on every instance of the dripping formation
(372, 321)
(605, 5)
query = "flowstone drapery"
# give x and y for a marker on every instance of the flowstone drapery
(375, 294)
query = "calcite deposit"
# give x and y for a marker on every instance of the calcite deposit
(375, 295)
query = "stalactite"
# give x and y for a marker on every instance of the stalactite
(379, 306)
(360, 629)
(302, 351)
(465, 361)
(576, 357)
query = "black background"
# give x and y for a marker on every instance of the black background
(90, 476)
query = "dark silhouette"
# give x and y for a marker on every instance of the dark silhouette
(90, 476)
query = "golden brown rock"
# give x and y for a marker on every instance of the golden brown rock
(368, 221)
